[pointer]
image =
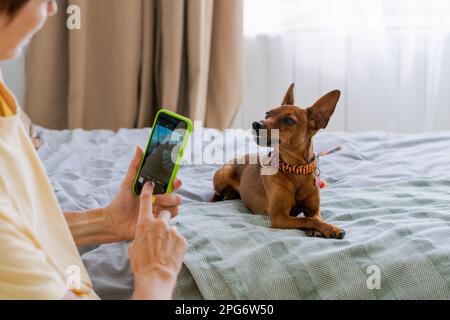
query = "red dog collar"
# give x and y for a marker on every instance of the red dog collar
(298, 169)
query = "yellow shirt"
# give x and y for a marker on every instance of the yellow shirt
(38, 256)
(7, 103)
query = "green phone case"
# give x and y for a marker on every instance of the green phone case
(180, 154)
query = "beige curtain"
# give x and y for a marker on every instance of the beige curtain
(133, 57)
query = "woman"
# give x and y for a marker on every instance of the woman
(38, 254)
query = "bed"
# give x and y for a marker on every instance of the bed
(390, 192)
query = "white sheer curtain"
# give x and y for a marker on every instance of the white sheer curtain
(391, 59)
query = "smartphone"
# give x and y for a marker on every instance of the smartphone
(164, 152)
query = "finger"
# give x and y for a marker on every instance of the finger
(173, 211)
(131, 250)
(177, 184)
(146, 206)
(133, 168)
(180, 243)
(183, 243)
(165, 215)
(168, 200)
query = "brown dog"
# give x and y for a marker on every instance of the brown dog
(293, 189)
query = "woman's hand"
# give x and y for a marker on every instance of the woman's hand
(156, 253)
(124, 209)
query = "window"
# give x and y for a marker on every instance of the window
(271, 17)
(387, 56)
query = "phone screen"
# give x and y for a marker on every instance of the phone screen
(162, 153)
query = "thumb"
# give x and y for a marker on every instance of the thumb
(133, 168)
(146, 203)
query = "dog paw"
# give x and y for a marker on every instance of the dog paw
(333, 232)
(314, 234)
(327, 232)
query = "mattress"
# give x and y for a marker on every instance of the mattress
(390, 192)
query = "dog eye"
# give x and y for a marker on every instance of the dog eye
(288, 121)
(267, 115)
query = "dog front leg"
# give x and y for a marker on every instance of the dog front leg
(280, 205)
(279, 210)
(312, 226)
(311, 209)
(310, 206)
(281, 199)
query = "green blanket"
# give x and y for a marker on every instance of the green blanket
(234, 255)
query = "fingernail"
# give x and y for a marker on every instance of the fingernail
(149, 184)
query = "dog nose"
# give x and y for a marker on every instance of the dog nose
(257, 126)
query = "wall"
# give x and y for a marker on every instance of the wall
(14, 76)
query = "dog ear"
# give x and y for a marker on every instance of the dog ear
(320, 113)
(289, 97)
